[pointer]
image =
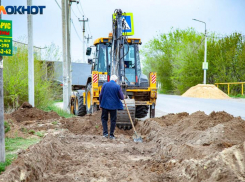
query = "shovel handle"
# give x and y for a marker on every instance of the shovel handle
(129, 115)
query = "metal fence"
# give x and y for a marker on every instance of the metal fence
(232, 83)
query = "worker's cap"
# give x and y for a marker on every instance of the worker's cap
(114, 77)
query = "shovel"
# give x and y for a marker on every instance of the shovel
(137, 137)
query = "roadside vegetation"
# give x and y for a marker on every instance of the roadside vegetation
(13, 146)
(59, 111)
(177, 57)
(238, 96)
(15, 75)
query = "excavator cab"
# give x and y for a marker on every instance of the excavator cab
(132, 66)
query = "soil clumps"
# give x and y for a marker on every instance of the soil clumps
(28, 113)
(176, 147)
(27, 120)
(206, 91)
(89, 124)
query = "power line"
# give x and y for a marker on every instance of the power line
(85, 16)
(27, 44)
(71, 20)
(74, 12)
(79, 10)
(58, 4)
(89, 28)
(76, 30)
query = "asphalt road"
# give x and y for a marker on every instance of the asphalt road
(175, 104)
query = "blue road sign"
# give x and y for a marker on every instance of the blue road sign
(129, 23)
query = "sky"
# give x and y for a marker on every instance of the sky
(151, 17)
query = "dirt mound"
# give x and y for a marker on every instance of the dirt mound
(28, 113)
(27, 120)
(207, 91)
(68, 157)
(198, 140)
(15, 128)
(176, 147)
(90, 124)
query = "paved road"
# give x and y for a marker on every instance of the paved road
(175, 104)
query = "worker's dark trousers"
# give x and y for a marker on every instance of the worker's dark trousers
(104, 119)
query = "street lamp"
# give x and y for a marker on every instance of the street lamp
(205, 67)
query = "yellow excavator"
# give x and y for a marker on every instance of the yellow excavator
(117, 55)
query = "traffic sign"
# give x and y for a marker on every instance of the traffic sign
(205, 65)
(6, 38)
(129, 23)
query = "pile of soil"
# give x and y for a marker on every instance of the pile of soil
(176, 147)
(68, 157)
(28, 118)
(207, 91)
(28, 113)
(199, 146)
(90, 125)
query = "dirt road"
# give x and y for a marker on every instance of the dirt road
(176, 147)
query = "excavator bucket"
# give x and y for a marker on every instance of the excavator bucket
(123, 121)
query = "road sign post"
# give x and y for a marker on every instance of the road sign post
(5, 50)
(6, 38)
(128, 19)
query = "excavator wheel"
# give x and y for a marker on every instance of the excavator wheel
(123, 121)
(89, 98)
(141, 111)
(79, 108)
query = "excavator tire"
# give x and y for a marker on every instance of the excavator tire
(79, 108)
(89, 98)
(123, 121)
(141, 111)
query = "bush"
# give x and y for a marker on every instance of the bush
(15, 75)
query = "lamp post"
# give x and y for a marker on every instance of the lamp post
(205, 52)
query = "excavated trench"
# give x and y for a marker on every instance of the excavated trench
(176, 147)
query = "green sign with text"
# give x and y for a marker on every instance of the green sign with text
(6, 38)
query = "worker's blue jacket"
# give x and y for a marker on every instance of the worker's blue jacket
(110, 96)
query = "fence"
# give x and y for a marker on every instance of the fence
(232, 83)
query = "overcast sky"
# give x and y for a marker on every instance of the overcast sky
(151, 17)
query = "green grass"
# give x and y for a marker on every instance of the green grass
(55, 122)
(59, 111)
(6, 127)
(238, 96)
(11, 147)
(40, 134)
(12, 144)
(8, 161)
(31, 132)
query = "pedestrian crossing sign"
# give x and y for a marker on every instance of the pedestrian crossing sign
(128, 23)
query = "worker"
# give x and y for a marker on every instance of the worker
(110, 102)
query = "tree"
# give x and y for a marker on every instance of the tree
(178, 55)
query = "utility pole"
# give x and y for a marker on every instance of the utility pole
(69, 50)
(88, 39)
(66, 35)
(205, 56)
(205, 65)
(65, 55)
(30, 58)
(84, 21)
(2, 131)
